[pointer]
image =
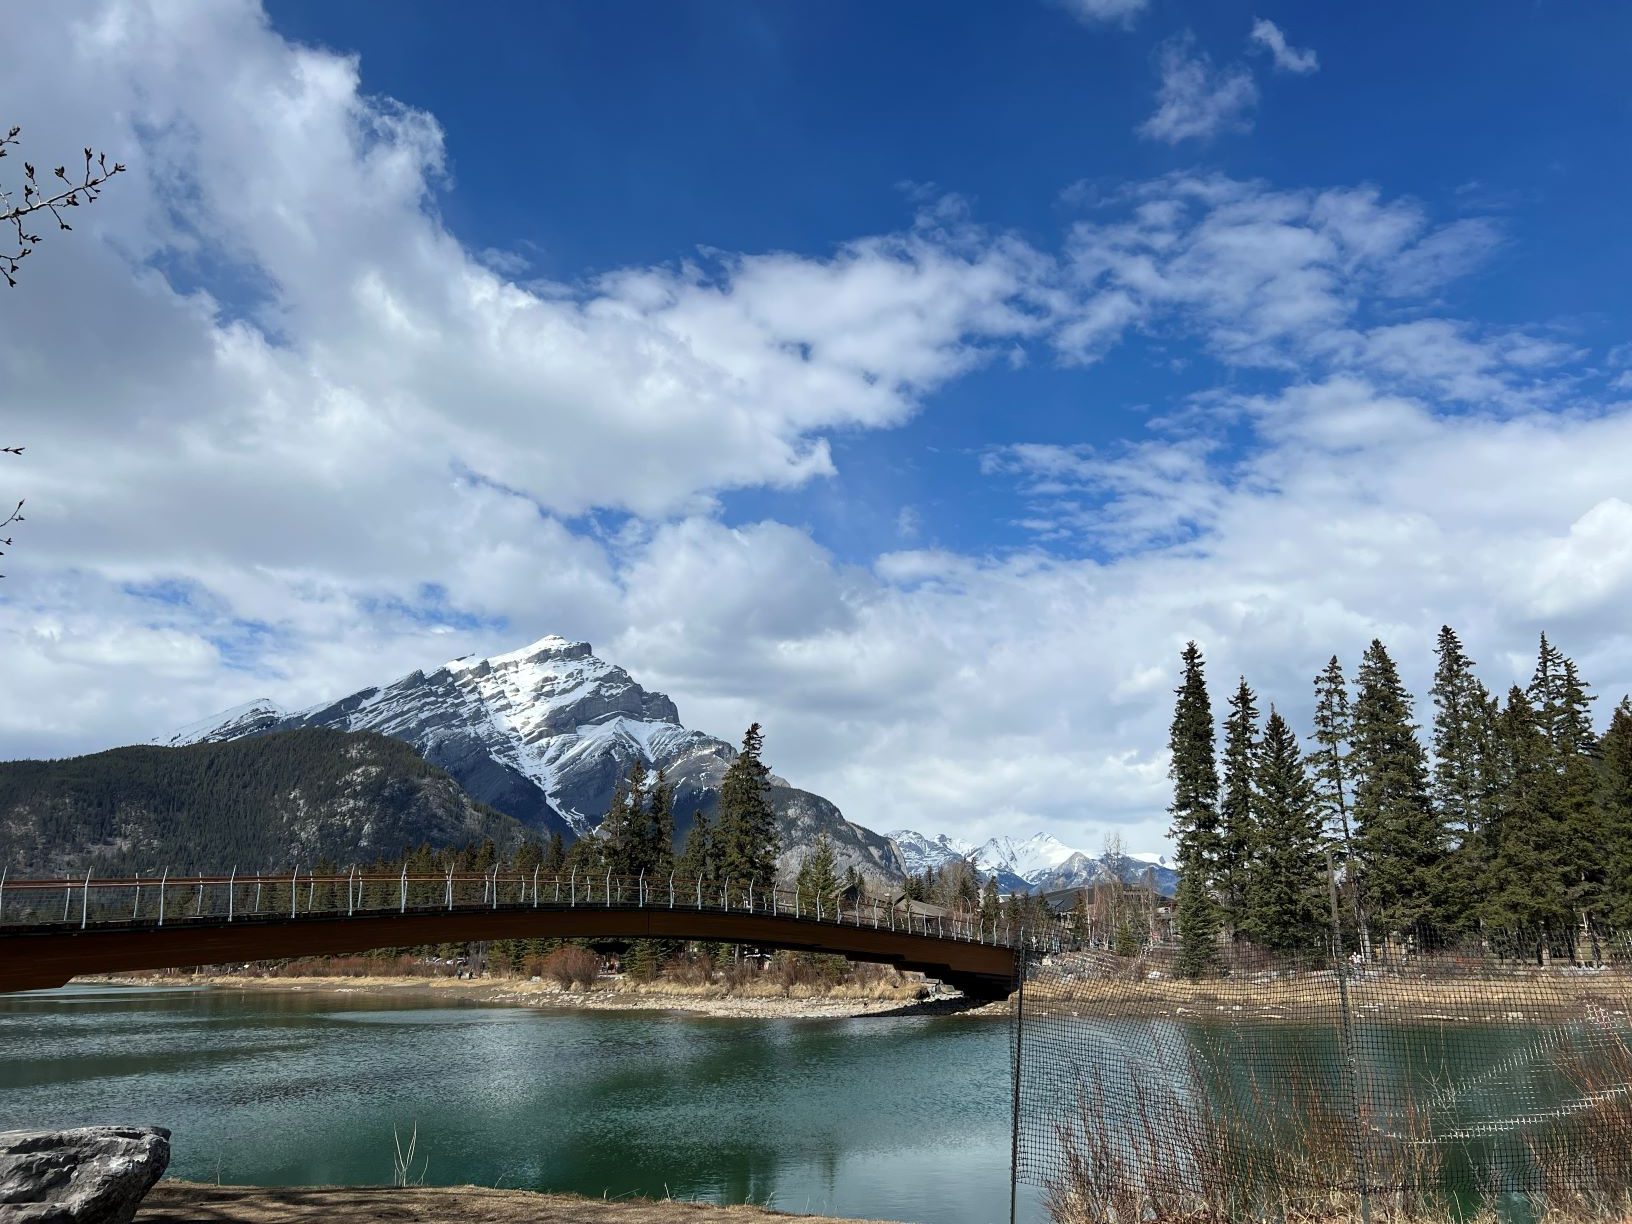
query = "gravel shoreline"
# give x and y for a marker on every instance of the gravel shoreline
(514, 992)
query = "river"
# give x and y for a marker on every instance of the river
(897, 1117)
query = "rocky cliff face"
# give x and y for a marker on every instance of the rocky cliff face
(544, 733)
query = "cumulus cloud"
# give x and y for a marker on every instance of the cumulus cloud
(1301, 60)
(1196, 100)
(288, 436)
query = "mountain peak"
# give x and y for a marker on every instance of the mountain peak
(547, 648)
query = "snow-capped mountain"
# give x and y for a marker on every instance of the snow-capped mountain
(919, 853)
(1040, 862)
(544, 733)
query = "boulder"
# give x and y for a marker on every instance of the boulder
(89, 1175)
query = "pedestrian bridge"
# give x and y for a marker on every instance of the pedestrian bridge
(52, 930)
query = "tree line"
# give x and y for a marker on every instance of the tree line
(1515, 816)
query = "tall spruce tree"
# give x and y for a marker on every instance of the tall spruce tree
(698, 858)
(1527, 891)
(818, 880)
(1194, 810)
(991, 908)
(1237, 833)
(1330, 758)
(745, 832)
(1398, 839)
(1465, 777)
(1286, 882)
(1615, 806)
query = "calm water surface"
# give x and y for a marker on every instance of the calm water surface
(903, 1118)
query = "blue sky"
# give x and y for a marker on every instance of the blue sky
(915, 379)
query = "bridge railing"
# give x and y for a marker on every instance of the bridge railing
(161, 899)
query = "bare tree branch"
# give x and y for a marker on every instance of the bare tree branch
(37, 199)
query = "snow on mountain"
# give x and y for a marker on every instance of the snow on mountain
(1040, 862)
(247, 719)
(919, 853)
(543, 734)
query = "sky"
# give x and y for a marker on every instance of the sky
(914, 379)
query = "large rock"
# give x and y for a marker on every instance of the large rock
(91, 1175)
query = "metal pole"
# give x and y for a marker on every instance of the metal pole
(750, 896)
(135, 910)
(640, 898)
(311, 892)
(450, 888)
(574, 899)
(257, 892)
(1361, 1176)
(3, 871)
(671, 890)
(198, 907)
(402, 891)
(495, 886)
(85, 901)
(608, 890)
(162, 882)
(351, 893)
(232, 883)
(535, 885)
(1019, 1050)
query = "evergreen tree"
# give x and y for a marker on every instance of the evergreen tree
(1528, 887)
(817, 880)
(698, 859)
(1286, 886)
(1464, 788)
(745, 832)
(1330, 759)
(1194, 810)
(555, 854)
(1237, 838)
(1081, 921)
(991, 908)
(657, 833)
(1615, 804)
(1398, 838)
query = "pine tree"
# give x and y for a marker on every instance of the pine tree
(1081, 922)
(1237, 838)
(1615, 806)
(991, 908)
(1527, 890)
(1333, 726)
(1194, 810)
(1398, 838)
(1464, 778)
(657, 834)
(555, 854)
(698, 859)
(745, 831)
(1286, 886)
(817, 881)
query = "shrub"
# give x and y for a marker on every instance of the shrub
(571, 966)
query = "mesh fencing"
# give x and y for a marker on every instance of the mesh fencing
(1420, 1077)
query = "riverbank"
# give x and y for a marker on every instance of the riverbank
(180, 1202)
(716, 999)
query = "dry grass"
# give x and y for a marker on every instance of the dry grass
(176, 1202)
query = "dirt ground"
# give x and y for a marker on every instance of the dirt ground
(179, 1202)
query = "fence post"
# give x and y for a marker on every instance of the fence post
(608, 890)
(351, 892)
(572, 898)
(402, 891)
(750, 896)
(1341, 970)
(671, 890)
(535, 885)
(162, 882)
(495, 886)
(640, 894)
(232, 886)
(135, 910)
(257, 892)
(85, 901)
(7, 868)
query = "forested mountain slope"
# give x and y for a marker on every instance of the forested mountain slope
(264, 803)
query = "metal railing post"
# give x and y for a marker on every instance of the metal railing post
(574, 897)
(135, 909)
(3, 871)
(232, 886)
(750, 896)
(495, 886)
(535, 885)
(198, 906)
(402, 891)
(85, 901)
(640, 895)
(608, 890)
(699, 892)
(671, 890)
(351, 893)
(311, 892)
(448, 888)
(257, 892)
(162, 882)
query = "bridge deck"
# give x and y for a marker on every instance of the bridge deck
(51, 931)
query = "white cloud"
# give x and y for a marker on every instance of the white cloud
(1195, 100)
(364, 450)
(1098, 12)
(1288, 58)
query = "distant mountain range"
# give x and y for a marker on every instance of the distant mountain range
(1040, 862)
(543, 733)
(266, 803)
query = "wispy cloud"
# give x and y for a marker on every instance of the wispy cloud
(1301, 60)
(1196, 100)
(1105, 12)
